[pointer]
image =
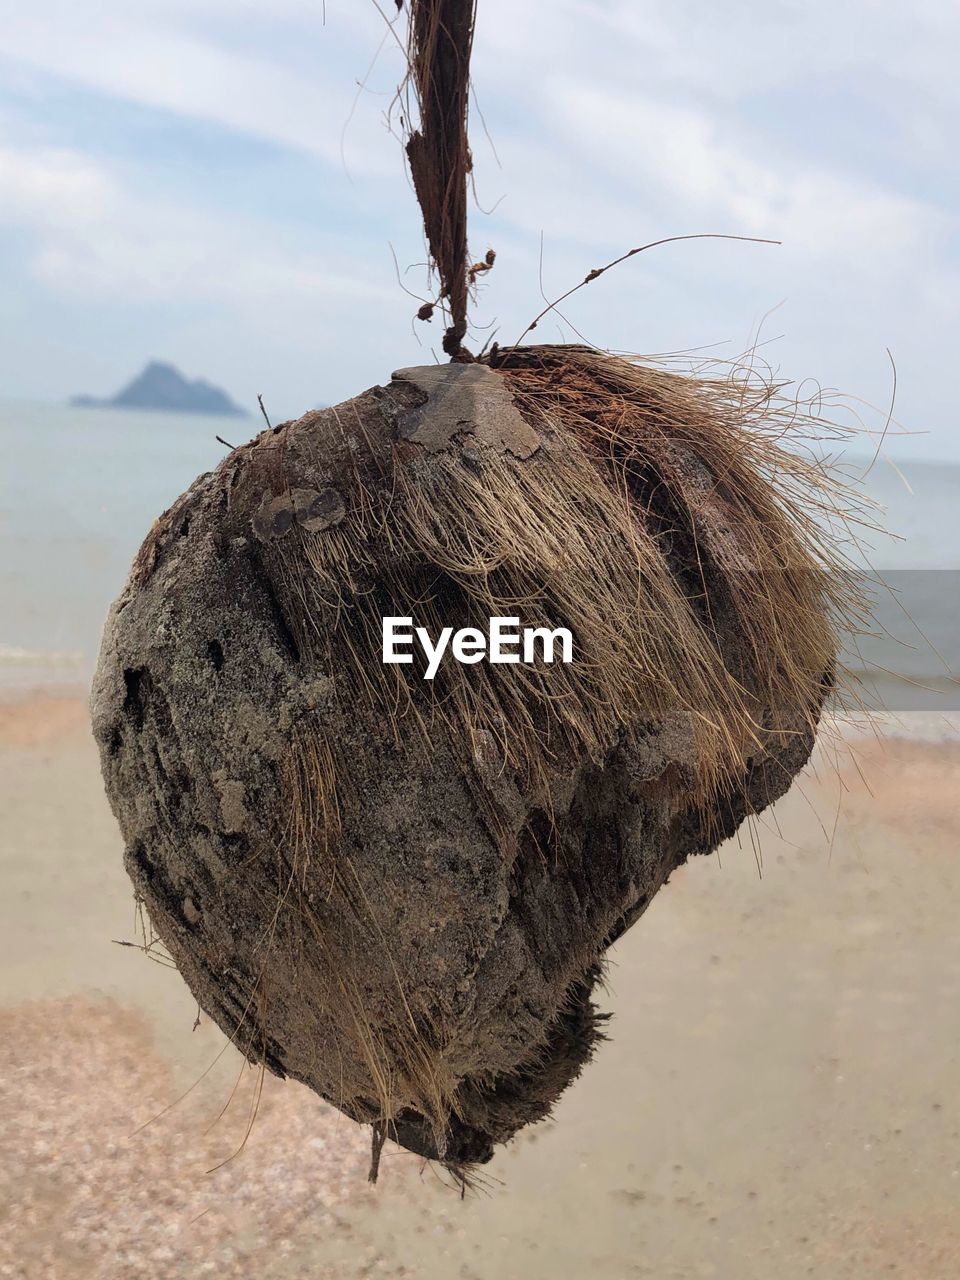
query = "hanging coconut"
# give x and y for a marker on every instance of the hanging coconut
(395, 881)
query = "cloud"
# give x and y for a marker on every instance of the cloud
(52, 186)
(689, 162)
(93, 238)
(616, 122)
(151, 53)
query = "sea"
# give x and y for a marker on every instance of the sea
(79, 489)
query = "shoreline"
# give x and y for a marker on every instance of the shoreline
(55, 707)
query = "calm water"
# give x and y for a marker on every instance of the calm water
(80, 488)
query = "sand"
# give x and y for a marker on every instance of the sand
(780, 1096)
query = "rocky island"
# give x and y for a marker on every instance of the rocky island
(163, 387)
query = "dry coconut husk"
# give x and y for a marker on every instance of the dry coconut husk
(400, 891)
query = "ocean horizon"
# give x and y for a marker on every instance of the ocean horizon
(80, 488)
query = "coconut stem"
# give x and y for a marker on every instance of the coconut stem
(440, 42)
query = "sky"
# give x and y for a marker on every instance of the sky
(216, 183)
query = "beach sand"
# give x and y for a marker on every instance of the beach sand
(779, 1097)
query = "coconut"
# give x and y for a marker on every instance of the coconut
(400, 891)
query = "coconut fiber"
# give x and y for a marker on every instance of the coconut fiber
(400, 891)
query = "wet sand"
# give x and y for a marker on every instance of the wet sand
(780, 1096)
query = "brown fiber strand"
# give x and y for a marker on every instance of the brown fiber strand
(440, 41)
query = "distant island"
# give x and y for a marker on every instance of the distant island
(163, 387)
